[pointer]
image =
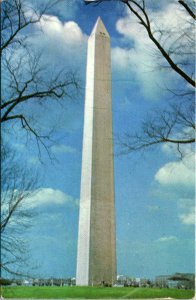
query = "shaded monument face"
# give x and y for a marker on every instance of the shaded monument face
(96, 259)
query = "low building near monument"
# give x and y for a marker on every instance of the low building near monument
(177, 280)
(161, 281)
(27, 282)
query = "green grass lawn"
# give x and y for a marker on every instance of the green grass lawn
(93, 292)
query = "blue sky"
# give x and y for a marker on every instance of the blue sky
(154, 192)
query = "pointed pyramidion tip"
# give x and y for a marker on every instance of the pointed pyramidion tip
(99, 28)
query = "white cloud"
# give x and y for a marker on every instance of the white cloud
(68, 32)
(188, 218)
(62, 149)
(167, 239)
(187, 208)
(177, 182)
(45, 196)
(63, 44)
(178, 173)
(170, 149)
(57, 39)
(172, 17)
(130, 29)
(121, 57)
(137, 59)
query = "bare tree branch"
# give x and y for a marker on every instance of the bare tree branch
(188, 9)
(18, 15)
(144, 21)
(26, 78)
(17, 185)
(56, 91)
(174, 126)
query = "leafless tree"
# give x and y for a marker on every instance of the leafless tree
(175, 51)
(25, 80)
(17, 184)
(167, 50)
(24, 76)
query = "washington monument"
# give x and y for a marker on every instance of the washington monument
(96, 258)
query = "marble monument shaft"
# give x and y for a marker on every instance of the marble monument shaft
(96, 258)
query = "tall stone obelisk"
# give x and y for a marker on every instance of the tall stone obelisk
(96, 258)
